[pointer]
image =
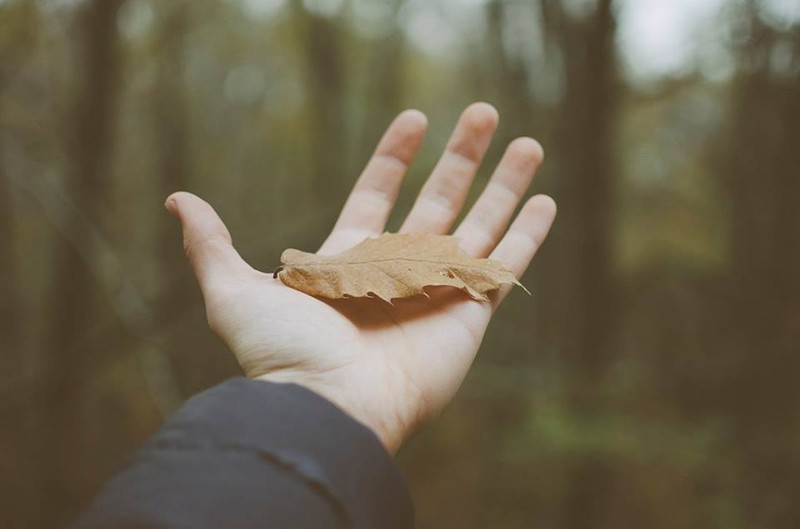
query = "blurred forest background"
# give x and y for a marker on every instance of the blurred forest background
(650, 381)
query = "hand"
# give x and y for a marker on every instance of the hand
(392, 367)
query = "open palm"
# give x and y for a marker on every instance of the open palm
(392, 367)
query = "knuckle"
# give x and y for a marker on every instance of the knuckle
(193, 248)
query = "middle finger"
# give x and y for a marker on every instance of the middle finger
(443, 195)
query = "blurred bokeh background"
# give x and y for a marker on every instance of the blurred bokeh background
(650, 381)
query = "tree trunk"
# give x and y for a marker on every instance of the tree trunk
(580, 278)
(585, 143)
(10, 301)
(388, 56)
(509, 78)
(323, 47)
(172, 149)
(74, 294)
(764, 186)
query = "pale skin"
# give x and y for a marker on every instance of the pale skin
(391, 367)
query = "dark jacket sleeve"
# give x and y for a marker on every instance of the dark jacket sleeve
(251, 454)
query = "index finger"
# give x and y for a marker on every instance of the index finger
(368, 207)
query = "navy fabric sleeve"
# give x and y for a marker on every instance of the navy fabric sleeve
(251, 454)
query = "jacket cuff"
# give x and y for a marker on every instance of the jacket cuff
(299, 431)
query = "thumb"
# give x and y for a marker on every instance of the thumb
(206, 240)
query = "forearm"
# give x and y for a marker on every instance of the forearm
(256, 454)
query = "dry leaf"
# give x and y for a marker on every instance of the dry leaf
(393, 266)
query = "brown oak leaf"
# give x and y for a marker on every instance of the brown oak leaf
(393, 266)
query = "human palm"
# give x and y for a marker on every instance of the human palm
(392, 367)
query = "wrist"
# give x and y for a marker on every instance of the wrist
(388, 433)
